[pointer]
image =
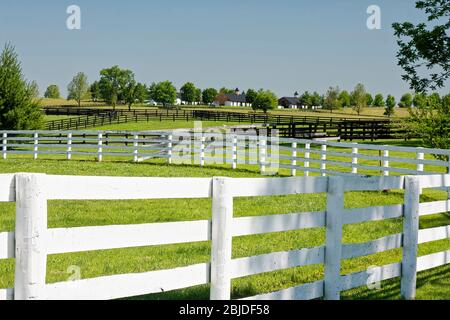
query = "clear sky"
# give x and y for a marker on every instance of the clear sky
(282, 45)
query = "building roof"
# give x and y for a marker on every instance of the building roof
(236, 97)
(291, 100)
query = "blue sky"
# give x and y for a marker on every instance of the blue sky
(282, 45)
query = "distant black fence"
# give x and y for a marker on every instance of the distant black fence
(292, 126)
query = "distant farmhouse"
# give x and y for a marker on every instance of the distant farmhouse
(236, 99)
(290, 102)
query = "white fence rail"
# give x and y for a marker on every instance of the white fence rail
(300, 157)
(32, 241)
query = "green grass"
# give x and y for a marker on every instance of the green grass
(433, 284)
(164, 125)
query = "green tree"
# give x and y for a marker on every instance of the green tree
(134, 92)
(369, 100)
(344, 99)
(424, 49)
(420, 100)
(52, 92)
(251, 95)
(226, 91)
(379, 101)
(95, 91)
(331, 101)
(306, 99)
(406, 101)
(359, 98)
(316, 99)
(431, 125)
(434, 100)
(113, 82)
(209, 95)
(198, 95)
(189, 93)
(19, 110)
(265, 100)
(34, 89)
(390, 106)
(78, 88)
(163, 92)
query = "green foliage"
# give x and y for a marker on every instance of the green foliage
(369, 99)
(359, 98)
(33, 88)
(316, 99)
(251, 95)
(209, 95)
(78, 88)
(265, 100)
(163, 92)
(344, 99)
(406, 101)
(52, 92)
(134, 92)
(95, 91)
(379, 101)
(420, 100)
(424, 49)
(390, 106)
(306, 99)
(189, 93)
(434, 100)
(113, 83)
(332, 101)
(19, 110)
(226, 91)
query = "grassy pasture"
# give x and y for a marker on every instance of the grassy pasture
(433, 284)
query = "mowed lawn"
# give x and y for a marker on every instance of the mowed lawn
(434, 284)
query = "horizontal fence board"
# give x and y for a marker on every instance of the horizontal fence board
(433, 260)
(6, 294)
(308, 291)
(434, 234)
(436, 207)
(279, 186)
(370, 276)
(119, 188)
(434, 181)
(130, 285)
(277, 223)
(350, 251)
(276, 261)
(374, 183)
(360, 215)
(116, 237)
(7, 188)
(7, 245)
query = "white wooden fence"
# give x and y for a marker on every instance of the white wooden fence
(305, 157)
(32, 241)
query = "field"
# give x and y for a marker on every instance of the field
(434, 284)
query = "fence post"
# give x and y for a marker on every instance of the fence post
(202, 151)
(355, 159)
(31, 227)
(69, 146)
(333, 249)
(234, 156)
(420, 157)
(222, 223)
(135, 145)
(386, 163)
(169, 147)
(307, 156)
(36, 145)
(323, 158)
(294, 159)
(100, 148)
(410, 238)
(5, 145)
(262, 154)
